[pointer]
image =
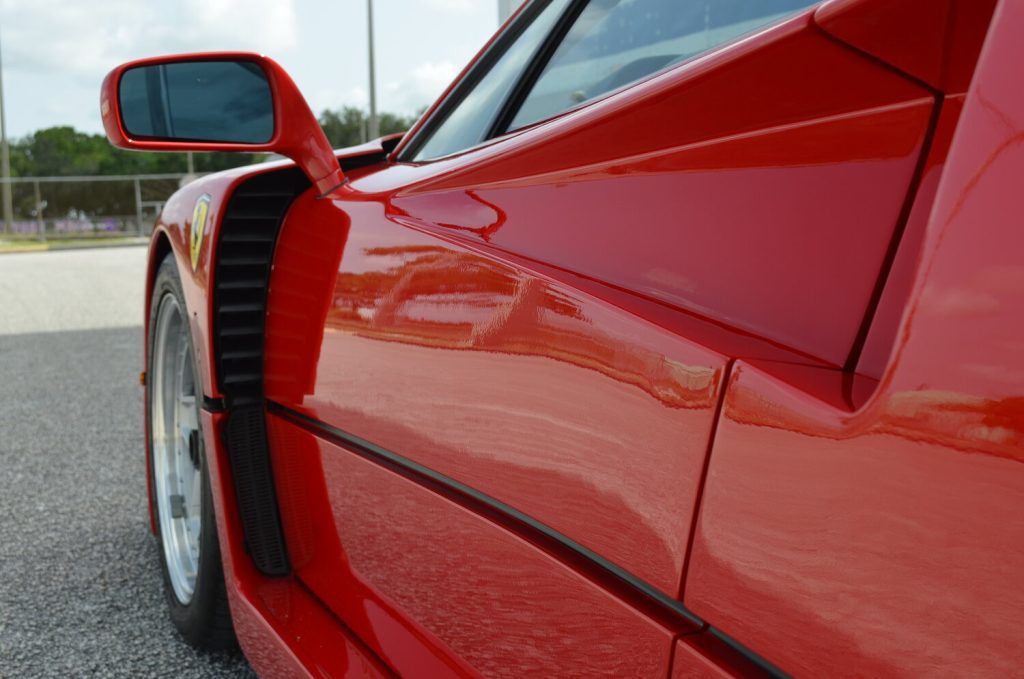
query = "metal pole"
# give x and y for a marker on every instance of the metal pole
(5, 158)
(374, 124)
(191, 164)
(138, 206)
(39, 211)
(504, 10)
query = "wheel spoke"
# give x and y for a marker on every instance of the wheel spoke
(187, 416)
(194, 526)
(175, 446)
(195, 494)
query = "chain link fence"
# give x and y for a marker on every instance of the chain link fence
(52, 208)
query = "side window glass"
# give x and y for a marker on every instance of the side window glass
(471, 119)
(616, 42)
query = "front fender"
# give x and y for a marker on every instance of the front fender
(171, 236)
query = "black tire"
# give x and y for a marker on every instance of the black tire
(205, 620)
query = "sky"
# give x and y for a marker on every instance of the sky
(56, 52)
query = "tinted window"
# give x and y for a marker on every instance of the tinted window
(617, 42)
(471, 119)
(220, 101)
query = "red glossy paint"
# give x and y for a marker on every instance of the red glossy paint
(557, 317)
(284, 631)
(935, 41)
(413, 308)
(297, 134)
(785, 158)
(171, 236)
(420, 574)
(886, 539)
(703, 656)
(885, 323)
(172, 233)
(576, 413)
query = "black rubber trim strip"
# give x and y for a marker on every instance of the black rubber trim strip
(469, 82)
(754, 658)
(213, 405)
(531, 74)
(672, 612)
(525, 526)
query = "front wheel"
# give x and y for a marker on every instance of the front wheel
(186, 527)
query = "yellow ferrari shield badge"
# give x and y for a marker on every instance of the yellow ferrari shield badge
(199, 214)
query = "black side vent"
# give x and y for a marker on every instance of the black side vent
(246, 437)
(245, 251)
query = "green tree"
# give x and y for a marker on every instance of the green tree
(63, 151)
(343, 127)
(347, 126)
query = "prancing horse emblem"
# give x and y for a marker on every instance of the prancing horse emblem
(199, 213)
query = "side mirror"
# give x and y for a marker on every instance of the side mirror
(233, 101)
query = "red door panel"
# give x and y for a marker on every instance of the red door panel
(703, 656)
(886, 539)
(865, 544)
(935, 41)
(438, 313)
(899, 283)
(438, 590)
(759, 187)
(765, 232)
(568, 409)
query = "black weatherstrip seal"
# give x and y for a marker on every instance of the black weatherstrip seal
(749, 655)
(477, 72)
(214, 405)
(243, 263)
(495, 509)
(241, 277)
(668, 611)
(533, 71)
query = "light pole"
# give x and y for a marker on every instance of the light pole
(505, 8)
(373, 125)
(5, 157)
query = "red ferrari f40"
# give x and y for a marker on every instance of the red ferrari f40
(679, 338)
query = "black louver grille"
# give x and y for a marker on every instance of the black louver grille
(244, 254)
(242, 275)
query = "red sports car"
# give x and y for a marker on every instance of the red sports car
(679, 338)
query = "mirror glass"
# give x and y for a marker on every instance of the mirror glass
(215, 101)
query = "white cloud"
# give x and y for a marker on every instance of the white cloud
(89, 38)
(55, 52)
(334, 99)
(455, 6)
(421, 86)
(83, 38)
(257, 25)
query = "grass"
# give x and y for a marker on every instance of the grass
(30, 245)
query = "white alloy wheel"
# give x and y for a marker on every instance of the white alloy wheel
(177, 472)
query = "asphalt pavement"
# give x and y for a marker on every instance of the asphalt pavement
(80, 589)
